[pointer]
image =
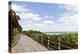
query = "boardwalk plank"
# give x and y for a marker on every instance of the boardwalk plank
(26, 44)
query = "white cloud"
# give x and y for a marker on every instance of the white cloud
(30, 28)
(67, 23)
(64, 23)
(30, 16)
(19, 8)
(48, 22)
(48, 16)
(71, 7)
(26, 15)
(40, 25)
(72, 20)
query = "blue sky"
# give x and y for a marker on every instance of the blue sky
(46, 17)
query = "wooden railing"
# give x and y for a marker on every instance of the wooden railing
(55, 43)
(15, 40)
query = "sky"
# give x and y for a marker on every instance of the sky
(46, 17)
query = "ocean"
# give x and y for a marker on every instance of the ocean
(56, 33)
(51, 33)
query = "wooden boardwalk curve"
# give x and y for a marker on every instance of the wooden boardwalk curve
(26, 44)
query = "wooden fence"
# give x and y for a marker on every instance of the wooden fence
(52, 42)
(15, 40)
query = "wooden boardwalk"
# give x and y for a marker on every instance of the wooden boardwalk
(26, 44)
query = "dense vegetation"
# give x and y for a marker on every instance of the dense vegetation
(15, 28)
(64, 40)
(15, 34)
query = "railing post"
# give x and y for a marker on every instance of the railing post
(48, 41)
(59, 44)
(41, 39)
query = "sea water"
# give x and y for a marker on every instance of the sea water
(51, 33)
